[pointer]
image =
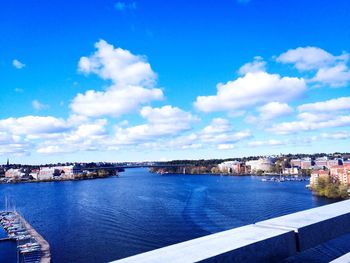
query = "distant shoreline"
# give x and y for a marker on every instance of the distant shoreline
(57, 180)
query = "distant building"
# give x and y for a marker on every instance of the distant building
(295, 162)
(305, 163)
(231, 167)
(64, 172)
(292, 170)
(316, 174)
(262, 164)
(14, 173)
(326, 162)
(341, 173)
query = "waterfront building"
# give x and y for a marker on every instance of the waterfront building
(316, 174)
(295, 162)
(326, 162)
(231, 167)
(262, 164)
(341, 173)
(305, 163)
(292, 170)
(45, 173)
(14, 173)
(63, 172)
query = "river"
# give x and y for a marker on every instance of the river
(106, 219)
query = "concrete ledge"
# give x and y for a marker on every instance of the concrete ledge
(266, 241)
(342, 259)
(316, 225)
(244, 244)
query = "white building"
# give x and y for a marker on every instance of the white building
(14, 173)
(230, 167)
(292, 170)
(263, 164)
(64, 172)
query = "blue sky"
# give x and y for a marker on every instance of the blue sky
(159, 80)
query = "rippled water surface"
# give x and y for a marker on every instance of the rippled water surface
(105, 219)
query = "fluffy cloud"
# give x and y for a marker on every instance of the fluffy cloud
(308, 58)
(270, 142)
(220, 132)
(132, 78)
(113, 102)
(217, 125)
(256, 66)
(86, 136)
(269, 111)
(33, 125)
(318, 115)
(311, 124)
(251, 90)
(118, 65)
(336, 76)
(161, 122)
(226, 146)
(166, 114)
(331, 70)
(338, 104)
(13, 144)
(18, 64)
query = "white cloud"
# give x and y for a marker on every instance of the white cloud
(251, 90)
(256, 66)
(113, 102)
(13, 144)
(33, 125)
(339, 135)
(310, 124)
(218, 125)
(132, 78)
(308, 58)
(338, 104)
(336, 76)
(166, 114)
(219, 131)
(331, 70)
(226, 146)
(38, 105)
(161, 122)
(18, 64)
(271, 142)
(314, 117)
(273, 110)
(118, 65)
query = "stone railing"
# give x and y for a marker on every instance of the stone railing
(266, 241)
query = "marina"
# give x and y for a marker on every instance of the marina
(31, 246)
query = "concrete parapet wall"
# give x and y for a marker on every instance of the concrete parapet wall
(266, 241)
(316, 225)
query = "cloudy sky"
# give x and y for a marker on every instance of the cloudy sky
(160, 80)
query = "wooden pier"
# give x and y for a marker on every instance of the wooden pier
(45, 247)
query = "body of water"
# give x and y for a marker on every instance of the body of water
(106, 219)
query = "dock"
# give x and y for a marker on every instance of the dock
(45, 247)
(31, 246)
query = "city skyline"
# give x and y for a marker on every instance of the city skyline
(109, 82)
